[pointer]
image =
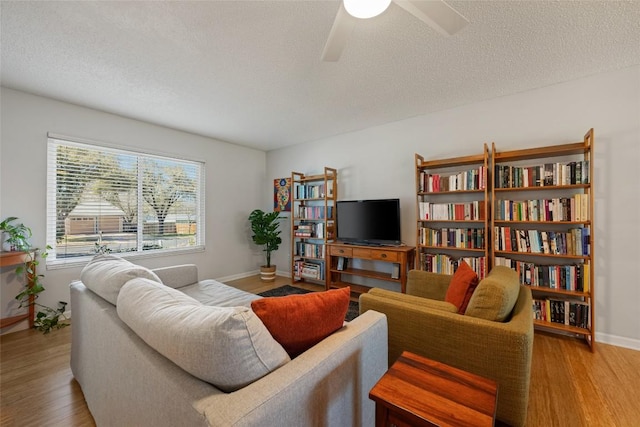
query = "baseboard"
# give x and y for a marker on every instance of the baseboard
(237, 276)
(283, 273)
(630, 343)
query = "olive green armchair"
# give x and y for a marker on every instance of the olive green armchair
(421, 322)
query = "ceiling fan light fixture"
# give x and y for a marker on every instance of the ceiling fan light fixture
(365, 9)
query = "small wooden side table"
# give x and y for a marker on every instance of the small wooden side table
(417, 391)
(9, 259)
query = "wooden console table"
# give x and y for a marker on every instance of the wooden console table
(417, 391)
(403, 256)
(8, 259)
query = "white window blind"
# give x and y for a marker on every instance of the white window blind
(102, 199)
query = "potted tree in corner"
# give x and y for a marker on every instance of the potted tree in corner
(266, 233)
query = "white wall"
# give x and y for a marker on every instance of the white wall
(233, 182)
(379, 162)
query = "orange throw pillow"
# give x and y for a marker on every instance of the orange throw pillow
(298, 322)
(463, 283)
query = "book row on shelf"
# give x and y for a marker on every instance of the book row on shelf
(473, 179)
(309, 250)
(310, 230)
(314, 212)
(468, 238)
(470, 211)
(570, 277)
(574, 208)
(445, 264)
(564, 312)
(548, 174)
(575, 241)
(311, 191)
(308, 270)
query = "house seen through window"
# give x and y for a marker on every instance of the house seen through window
(102, 199)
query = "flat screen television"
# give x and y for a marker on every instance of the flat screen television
(368, 222)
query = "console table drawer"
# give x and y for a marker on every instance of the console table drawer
(385, 255)
(340, 251)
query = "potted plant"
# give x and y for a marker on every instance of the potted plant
(16, 238)
(266, 233)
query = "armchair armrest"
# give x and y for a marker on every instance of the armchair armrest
(428, 285)
(410, 299)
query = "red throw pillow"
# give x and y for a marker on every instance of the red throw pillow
(298, 322)
(463, 283)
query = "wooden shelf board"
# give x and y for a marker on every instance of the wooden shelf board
(477, 221)
(564, 256)
(453, 162)
(308, 279)
(8, 321)
(438, 193)
(366, 273)
(543, 187)
(307, 178)
(503, 221)
(9, 258)
(561, 327)
(450, 248)
(539, 152)
(543, 289)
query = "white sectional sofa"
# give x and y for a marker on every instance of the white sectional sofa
(128, 382)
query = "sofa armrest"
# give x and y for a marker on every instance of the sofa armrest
(178, 276)
(497, 350)
(327, 384)
(428, 285)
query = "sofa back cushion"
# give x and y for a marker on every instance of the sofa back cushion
(495, 295)
(228, 347)
(106, 274)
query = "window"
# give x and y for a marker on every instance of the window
(101, 199)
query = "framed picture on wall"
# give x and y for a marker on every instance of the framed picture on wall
(282, 195)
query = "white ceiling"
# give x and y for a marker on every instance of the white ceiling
(249, 72)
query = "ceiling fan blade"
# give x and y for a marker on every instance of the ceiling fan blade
(340, 32)
(435, 13)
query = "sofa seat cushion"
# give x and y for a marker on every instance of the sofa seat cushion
(212, 292)
(495, 296)
(228, 347)
(299, 322)
(106, 274)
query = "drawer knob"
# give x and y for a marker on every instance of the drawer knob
(383, 256)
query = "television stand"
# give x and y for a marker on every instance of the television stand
(337, 274)
(367, 244)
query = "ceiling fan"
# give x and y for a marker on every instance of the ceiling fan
(435, 13)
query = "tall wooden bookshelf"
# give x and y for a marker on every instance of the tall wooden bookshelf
(452, 213)
(542, 223)
(312, 224)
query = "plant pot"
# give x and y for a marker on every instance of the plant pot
(268, 274)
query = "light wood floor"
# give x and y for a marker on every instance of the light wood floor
(570, 385)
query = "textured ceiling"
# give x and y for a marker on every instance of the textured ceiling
(249, 72)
